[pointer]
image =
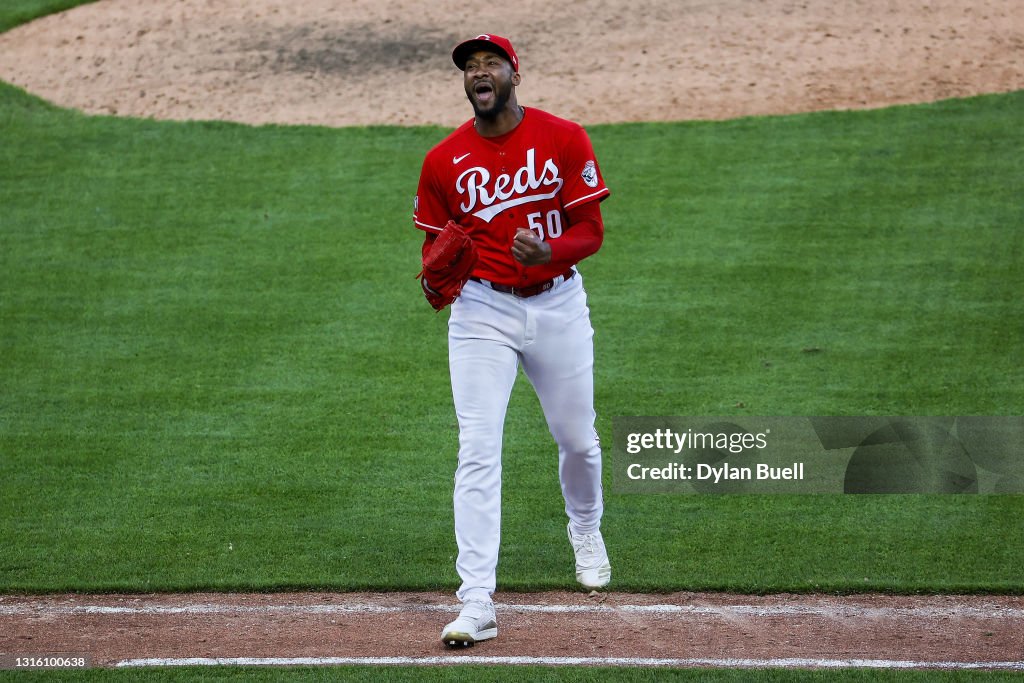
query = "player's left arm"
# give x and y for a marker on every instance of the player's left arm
(582, 238)
(582, 194)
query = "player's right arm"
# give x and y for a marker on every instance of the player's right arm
(430, 207)
(428, 240)
(431, 215)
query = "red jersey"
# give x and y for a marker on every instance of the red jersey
(528, 178)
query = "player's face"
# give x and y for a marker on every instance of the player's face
(489, 79)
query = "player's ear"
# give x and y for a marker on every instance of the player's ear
(516, 79)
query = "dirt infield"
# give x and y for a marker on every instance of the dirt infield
(387, 61)
(610, 629)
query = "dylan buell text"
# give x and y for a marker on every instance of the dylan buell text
(715, 473)
(704, 443)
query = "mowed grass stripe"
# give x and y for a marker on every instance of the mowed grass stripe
(217, 371)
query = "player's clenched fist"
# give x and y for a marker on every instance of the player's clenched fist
(529, 249)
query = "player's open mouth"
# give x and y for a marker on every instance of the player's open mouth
(484, 92)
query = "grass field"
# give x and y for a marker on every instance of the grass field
(524, 673)
(217, 371)
(15, 12)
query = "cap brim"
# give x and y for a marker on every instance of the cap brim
(462, 52)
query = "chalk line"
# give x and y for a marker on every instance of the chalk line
(829, 611)
(787, 663)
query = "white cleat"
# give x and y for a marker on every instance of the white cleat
(476, 622)
(593, 570)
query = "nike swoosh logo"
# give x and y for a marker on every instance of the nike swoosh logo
(456, 160)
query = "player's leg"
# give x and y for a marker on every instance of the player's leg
(483, 368)
(560, 364)
(559, 361)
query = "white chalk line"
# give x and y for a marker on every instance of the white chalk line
(828, 611)
(790, 663)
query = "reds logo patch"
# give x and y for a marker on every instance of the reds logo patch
(589, 174)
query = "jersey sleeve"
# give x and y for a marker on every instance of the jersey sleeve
(583, 182)
(430, 206)
(582, 238)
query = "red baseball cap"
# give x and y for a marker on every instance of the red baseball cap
(485, 41)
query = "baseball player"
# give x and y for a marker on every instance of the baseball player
(510, 204)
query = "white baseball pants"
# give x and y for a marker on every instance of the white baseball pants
(490, 334)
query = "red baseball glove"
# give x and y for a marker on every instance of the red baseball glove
(447, 265)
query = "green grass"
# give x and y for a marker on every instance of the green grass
(887, 241)
(217, 372)
(512, 674)
(15, 12)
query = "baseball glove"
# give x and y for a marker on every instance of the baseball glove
(447, 265)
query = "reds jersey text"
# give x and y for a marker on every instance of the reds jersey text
(527, 178)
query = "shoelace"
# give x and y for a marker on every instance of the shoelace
(588, 541)
(476, 609)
